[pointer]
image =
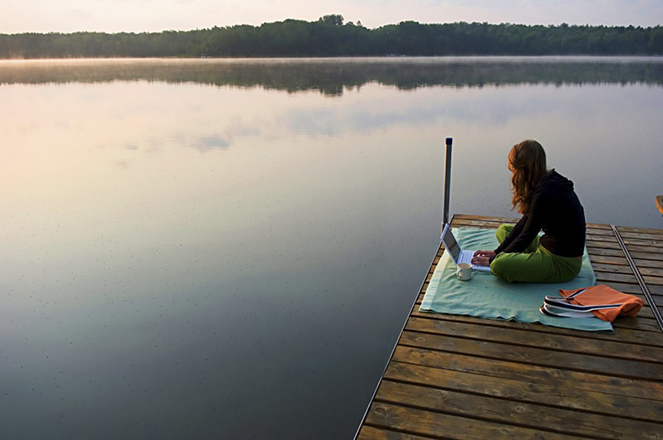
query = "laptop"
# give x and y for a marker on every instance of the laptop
(459, 255)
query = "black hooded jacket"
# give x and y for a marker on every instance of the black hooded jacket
(556, 210)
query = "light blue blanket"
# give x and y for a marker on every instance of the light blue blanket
(486, 296)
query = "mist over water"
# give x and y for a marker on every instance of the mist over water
(228, 249)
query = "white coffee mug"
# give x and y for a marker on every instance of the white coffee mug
(464, 271)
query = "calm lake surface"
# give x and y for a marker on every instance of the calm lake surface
(228, 249)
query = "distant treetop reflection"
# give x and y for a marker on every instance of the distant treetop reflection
(331, 76)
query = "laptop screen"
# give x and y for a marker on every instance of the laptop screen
(450, 243)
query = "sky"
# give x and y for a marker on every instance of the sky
(18, 16)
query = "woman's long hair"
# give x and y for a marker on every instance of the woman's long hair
(527, 162)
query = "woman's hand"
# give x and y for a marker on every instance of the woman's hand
(482, 258)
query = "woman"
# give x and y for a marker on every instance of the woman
(547, 202)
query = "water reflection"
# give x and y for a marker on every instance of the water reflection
(331, 77)
(186, 262)
(193, 261)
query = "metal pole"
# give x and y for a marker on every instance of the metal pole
(638, 278)
(447, 183)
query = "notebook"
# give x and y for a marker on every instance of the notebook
(459, 255)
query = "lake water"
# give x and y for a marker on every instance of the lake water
(228, 249)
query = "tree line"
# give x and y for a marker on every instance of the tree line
(330, 36)
(334, 77)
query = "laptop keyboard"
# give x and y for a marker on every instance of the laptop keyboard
(466, 257)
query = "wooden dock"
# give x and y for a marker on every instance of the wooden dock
(469, 378)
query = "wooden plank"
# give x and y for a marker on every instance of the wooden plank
(617, 277)
(371, 433)
(525, 338)
(608, 259)
(593, 250)
(603, 244)
(611, 268)
(616, 265)
(650, 272)
(633, 288)
(534, 356)
(648, 251)
(531, 415)
(541, 393)
(652, 252)
(646, 255)
(648, 263)
(621, 261)
(575, 382)
(642, 236)
(438, 425)
(599, 251)
(631, 229)
(604, 237)
(655, 290)
(644, 322)
(656, 244)
(605, 231)
(650, 275)
(652, 281)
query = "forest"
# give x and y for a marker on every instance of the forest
(331, 36)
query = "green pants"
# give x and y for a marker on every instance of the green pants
(535, 264)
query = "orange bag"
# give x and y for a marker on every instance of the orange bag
(610, 302)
